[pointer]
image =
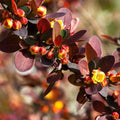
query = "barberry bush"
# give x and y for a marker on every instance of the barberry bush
(44, 54)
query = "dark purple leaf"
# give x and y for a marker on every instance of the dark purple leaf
(66, 18)
(53, 77)
(81, 97)
(90, 52)
(10, 44)
(73, 67)
(21, 32)
(106, 63)
(92, 65)
(46, 62)
(96, 45)
(43, 25)
(116, 65)
(98, 106)
(74, 80)
(55, 15)
(83, 67)
(118, 100)
(75, 37)
(24, 61)
(93, 89)
(50, 87)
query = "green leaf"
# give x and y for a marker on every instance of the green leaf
(30, 41)
(26, 9)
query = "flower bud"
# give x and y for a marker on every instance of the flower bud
(5, 14)
(87, 80)
(8, 23)
(62, 54)
(16, 24)
(20, 13)
(115, 115)
(64, 61)
(42, 50)
(34, 49)
(42, 11)
(66, 48)
(24, 20)
(50, 55)
(115, 94)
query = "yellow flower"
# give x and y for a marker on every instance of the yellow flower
(59, 21)
(98, 76)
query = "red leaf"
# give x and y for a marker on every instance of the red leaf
(83, 66)
(14, 7)
(96, 45)
(58, 40)
(24, 61)
(66, 18)
(90, 52)
(35, 4)
(43, 25)
(99, 106)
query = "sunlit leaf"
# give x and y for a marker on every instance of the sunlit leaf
(54, 15)
(10, 44)
(90, 52)
(106, 63)
(66, 18)
(74, 24)
(24, 61)
(96, 45)
(116, 55)
(56, 30)
(83, 67)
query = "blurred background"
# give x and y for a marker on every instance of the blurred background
(20, 95)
